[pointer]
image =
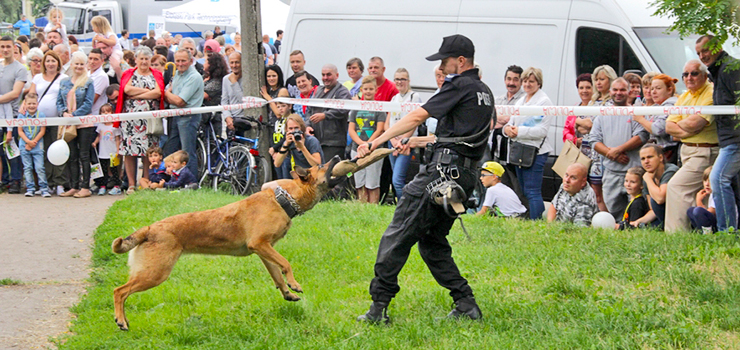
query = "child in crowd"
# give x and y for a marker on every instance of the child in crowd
(157, 169)
(108, 143)
(55, 17)
(31, 145)
(105, 34)
(180, 176)
(704, 217)
(500, 200)
(364, 127)
(638, 210)
(283, 171)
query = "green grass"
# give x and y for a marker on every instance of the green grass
(539, 286)
(9, 282)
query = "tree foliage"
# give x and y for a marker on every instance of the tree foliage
(10, 10)
(716, 17)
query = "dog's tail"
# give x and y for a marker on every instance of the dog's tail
(121, 245)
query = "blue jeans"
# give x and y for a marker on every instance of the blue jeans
(725, 169)
(33, 159)
(183, 137)
(531, 181)
(15, 164)
(659, 211)
(701, 217)
(400, 165)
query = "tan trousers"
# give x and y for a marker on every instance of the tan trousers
(683, 186)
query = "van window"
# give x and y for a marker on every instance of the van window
(92, 13)
(596, 47)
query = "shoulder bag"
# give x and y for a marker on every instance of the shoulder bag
(523, 155)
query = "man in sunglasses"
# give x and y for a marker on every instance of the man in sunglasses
(724, 177)
(698, 132)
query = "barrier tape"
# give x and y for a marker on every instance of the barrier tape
(375, 106)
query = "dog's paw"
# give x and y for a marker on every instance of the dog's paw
(295, 287)
(291, 297)
(122, 325)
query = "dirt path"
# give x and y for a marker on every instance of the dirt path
(46, 246)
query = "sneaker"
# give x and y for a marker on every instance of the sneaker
(83, 193)
(45, 194)
(130, 190)
(29, 194)
(115, 191)
(378, 313)
(38, 192)
(101, 191)
(60, 190)
(15, 187)
(465, 308)
(94, 188)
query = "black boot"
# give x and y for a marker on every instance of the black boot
(378, 313)
(465, 308)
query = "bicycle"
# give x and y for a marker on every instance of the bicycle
(233, 164)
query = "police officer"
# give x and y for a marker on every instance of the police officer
(464, 109)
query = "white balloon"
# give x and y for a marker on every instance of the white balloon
(58, 152)
(603, 219)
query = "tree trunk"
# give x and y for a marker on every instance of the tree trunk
(253, 66)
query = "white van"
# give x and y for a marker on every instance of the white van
(564, 38)
(131, 15)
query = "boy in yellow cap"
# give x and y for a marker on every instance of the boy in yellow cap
(500, 200)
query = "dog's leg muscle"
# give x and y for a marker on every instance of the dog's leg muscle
(151, 264)
(274, 271)
(267, 252)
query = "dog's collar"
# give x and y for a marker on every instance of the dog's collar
(287, 202)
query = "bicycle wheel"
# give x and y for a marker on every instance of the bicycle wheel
(234, 176)
(200, 151)
(260, 174)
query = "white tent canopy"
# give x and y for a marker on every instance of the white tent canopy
(225, 13)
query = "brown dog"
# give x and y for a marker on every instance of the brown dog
(252, 225)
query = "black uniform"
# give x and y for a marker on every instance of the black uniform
(463, 106)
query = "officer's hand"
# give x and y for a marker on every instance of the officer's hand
(364, 149)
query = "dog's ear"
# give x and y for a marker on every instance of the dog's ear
(300, 173)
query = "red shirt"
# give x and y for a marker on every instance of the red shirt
(386, 91)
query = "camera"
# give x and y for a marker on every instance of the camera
(297, 135)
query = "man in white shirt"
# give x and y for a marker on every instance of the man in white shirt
(500, 200)
(123, 40)
(100, 79)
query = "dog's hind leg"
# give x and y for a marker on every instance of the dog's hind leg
(267, 252)
(274, 271)
(151, 264)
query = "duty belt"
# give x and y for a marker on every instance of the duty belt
(446, 157)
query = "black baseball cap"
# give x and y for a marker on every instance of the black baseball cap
(454, 46)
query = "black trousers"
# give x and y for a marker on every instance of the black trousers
(55, 174)
(79, 157)
(418, 220)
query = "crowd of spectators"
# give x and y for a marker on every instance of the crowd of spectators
(645, 170)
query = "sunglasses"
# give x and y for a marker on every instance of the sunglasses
(693, 74)
(482, 175)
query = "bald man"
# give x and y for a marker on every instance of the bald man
(330, 124)
(575, 201)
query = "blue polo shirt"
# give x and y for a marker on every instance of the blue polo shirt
(189, 86)
(24, 26)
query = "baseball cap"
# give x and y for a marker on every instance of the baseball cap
(454, 46)
(212, 45)
(493, 168)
